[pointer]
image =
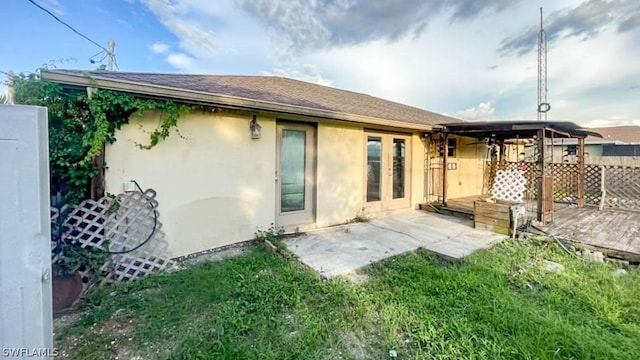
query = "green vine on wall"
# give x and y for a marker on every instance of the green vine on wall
(80, 125)
(112, 109)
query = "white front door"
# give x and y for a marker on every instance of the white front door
(295, 175)
(388, 171)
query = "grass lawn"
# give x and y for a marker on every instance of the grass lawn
(495, 304)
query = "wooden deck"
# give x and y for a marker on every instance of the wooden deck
(465, 204)
(614, 232)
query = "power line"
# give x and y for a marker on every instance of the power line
(67, 25)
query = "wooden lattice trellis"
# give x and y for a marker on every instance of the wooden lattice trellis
(127, 226)
(621, 183)
(592, 184)
(565, 181)
(530, 170)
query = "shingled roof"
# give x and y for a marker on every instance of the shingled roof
(268, 93)
(620, 134)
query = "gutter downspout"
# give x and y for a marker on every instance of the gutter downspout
(445, 158)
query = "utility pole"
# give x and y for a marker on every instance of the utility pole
(111, 47)
(543, 105)
(10, 90)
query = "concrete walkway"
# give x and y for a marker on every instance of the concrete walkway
(346, 248)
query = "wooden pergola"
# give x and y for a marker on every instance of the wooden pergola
(502, 131)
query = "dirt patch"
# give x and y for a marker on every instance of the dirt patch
(357, 279)
(61, 321)
(355, 346)
(117, 333)
(352, 347)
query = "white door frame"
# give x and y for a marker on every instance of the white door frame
(291, 219)
(387, 201)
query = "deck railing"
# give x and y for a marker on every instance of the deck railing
(613, 186)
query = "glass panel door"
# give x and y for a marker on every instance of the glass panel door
(374, 168)
(399, 159)
(387, 171)
(292, 162)
(295, 174)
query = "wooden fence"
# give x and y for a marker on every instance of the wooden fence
(613, 186)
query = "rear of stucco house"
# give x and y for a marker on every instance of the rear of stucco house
(323, 157)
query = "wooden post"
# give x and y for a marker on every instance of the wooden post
(540, 177)
(445, 156)
(581, 173)
(603, 186)
(98, 181)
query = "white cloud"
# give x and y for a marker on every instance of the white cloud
(53, 6)
(159, 48)
(213, 48)
(445, 67)
(180, 61)
(483, 111)
(177, 17)
(610, 122)
(308, 73)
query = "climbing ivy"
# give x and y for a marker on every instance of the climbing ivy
(112, 109)
(80, 125)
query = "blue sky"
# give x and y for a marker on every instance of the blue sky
(453, 57)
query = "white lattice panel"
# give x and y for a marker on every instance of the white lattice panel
(124, 223)
(134, 222)
(509, 185)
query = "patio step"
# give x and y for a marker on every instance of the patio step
(450, 210)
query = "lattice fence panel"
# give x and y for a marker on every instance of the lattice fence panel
(592, 184)
(84, 224)
(530, 170)
(134, 222)
(622, 184)
(565, 181)
(123, 223)
(509, 185)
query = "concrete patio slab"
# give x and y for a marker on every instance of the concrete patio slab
(343, 249)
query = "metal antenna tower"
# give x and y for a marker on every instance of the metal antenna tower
(543, 105)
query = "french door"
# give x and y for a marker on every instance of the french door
(295, 174)
(388, 171)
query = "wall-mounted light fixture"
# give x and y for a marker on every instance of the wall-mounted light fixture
(255, 128)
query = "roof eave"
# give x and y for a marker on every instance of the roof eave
(204, 98)
(564, 128)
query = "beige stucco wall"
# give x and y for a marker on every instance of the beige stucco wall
(215, 185)
(341, 177)
(211, 182)
(467, 179)
(418, 169)
(340, 173)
